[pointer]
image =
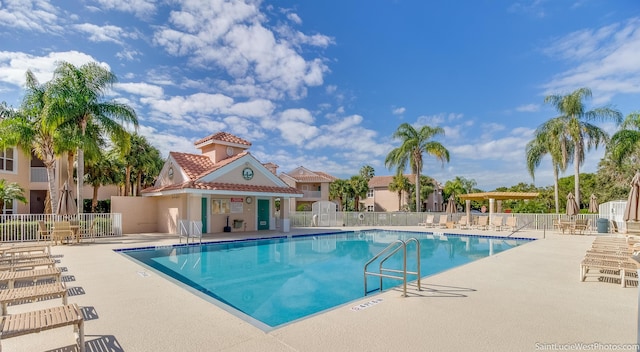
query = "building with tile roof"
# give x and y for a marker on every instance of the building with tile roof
(314, 186)
(381, 198)
(224, 188)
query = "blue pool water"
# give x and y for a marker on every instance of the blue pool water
(276, 281)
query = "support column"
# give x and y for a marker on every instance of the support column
(491, 209)
(284, 213)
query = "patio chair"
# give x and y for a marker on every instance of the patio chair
(580, 226)
(43, 231)
(511, 223)
(462, 223)
(44, 319)
(483, 223)
(32, 293)
(614, 226)
(443, 221)
(10, 277)
(496, 223)
(622, 270)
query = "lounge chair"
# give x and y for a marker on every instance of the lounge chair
(429, 221)
(43, 232)
(443, 221)
(511, 223)
(462, 223)
(623, 270)
(496, 223)
(32, 293)
(27, 264)
(13, 250)
(483, 223)
(614, 226)
(44, 319)
(10, 277)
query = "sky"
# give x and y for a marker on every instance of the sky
(325, 84)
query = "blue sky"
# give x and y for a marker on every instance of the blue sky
(324, 84)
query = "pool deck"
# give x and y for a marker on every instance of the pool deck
(524, 299)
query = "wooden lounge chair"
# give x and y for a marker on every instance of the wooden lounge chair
(443, 221)
(462, 223)
(27, 264)
(623, 270)
(10, 277)
(483, 223)
(496, 223)
(44, 319)
(12, 250)
(32, 293)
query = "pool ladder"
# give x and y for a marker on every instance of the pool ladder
(390, 250)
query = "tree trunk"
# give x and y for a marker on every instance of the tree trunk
(418, 205)
(94, 200)
(127, 180)
(70, 157)
(576, 166)
(556, 194)
(53, 190)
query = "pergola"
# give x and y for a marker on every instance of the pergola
(492, 197)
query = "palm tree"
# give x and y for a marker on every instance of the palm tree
(106, 170)
(360, 187)
(10, 192)
(551, 139)
(367, 172)
(577, 123)
(26, 129)
(338, 189)
(76, 97)
(140, 158)
(414, 144)
(626, 142)
(400, 184)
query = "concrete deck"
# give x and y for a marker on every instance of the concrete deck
(524, 299)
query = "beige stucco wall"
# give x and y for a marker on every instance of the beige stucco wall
(19, 175)
(139, 214)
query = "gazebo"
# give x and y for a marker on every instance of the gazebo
(492, 197)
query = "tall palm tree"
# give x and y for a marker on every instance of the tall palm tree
(578, 126)
(76, 97)
(26, 129)
(367, 172)
(337, 190)
(551, 139)
(360, 187)
(400, 184)
(105, 170)
(626, 142)
(415, 143)
(10, 192)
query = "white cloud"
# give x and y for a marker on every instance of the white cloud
(606, 58)
(143, 89)
(398, 111)
(294, 18)
(32, 15)
(140, 8)
(528, 108)
(14, 65)
(231, 34)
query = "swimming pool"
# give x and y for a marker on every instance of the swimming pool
(271, 282)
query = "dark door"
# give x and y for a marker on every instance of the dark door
(263, 214)
(204, 215)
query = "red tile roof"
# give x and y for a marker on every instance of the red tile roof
(317, 176)
(224, 137)
(219, 186)
(384, 181)
(197, 165)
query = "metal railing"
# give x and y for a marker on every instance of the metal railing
(346, 219)
(24, 227)
(189, 229)
(391, 250)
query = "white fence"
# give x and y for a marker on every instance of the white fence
(24, 227)
(525, 220)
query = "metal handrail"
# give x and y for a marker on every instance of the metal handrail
(393, 248)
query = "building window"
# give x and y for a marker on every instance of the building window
(7, 160)
(8, 208)
(369, 208)
(370, 193)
